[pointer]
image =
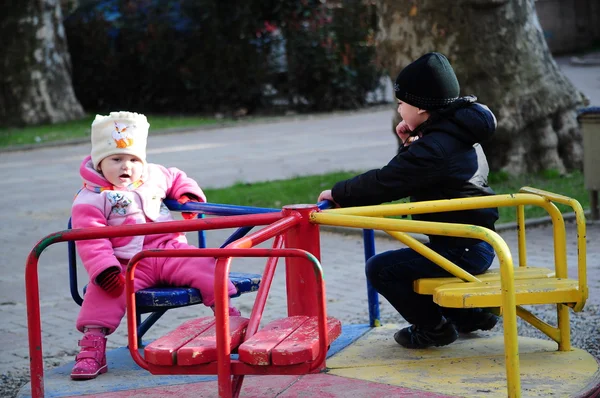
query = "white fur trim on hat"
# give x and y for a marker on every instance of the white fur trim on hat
(119, 133)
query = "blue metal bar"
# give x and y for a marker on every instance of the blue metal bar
(220, 209)
(201, 234)
(150, 320)
(325, 204)
(372, 295)
(369, 244)
(239, 233)
(217, 209)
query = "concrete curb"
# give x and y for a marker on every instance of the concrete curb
(585, 61)
(531, 223)
(589, 59)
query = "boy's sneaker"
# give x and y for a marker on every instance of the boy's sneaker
(484, 321)
(418, 337)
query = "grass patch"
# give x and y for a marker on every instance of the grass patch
(570, 185)
(306, 190)
(277, 193)
(81, 129)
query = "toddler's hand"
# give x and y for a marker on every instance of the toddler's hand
(183, 200)
(112, 281)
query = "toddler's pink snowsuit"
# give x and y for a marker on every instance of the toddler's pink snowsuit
(97, 204)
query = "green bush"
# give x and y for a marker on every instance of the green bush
(125, 55)
(209, 55)
(331, 53)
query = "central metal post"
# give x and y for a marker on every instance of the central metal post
(300, 274)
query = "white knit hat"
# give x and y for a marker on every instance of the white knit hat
(119, 133)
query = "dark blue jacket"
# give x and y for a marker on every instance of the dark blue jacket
(447, 162)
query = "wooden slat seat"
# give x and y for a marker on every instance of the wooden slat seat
(489, 294)
(428, 285)
(192, 343)
(287, 341)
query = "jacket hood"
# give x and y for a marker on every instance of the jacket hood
(92, 177)
(466, 119)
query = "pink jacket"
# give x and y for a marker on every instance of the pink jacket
(97, 204)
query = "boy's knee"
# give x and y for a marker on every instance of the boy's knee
(373, 270)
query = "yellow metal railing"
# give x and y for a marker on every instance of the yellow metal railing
(511, 352)
(436, 206)
(581, 236)
(372, 217)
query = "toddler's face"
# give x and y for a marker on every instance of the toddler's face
(121, 170)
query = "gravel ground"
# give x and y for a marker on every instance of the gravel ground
(584, 335)
(11, 382)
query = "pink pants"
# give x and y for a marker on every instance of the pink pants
(100, 309)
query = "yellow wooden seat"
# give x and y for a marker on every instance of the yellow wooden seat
(489, 293)
(428, 285)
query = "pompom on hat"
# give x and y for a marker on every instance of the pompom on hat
(428, 83)
(119, 133)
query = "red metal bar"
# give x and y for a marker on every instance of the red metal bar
(34, 327)
(259, 307)
(222, 321)
(299, 279)
(36, 365)
(196, 224)
(222, 299)
(270, 231)
(224, 256)
(226, 385)
(237, 368)
(263, 292)
(132, 339)
(278, 225)
(34, 324)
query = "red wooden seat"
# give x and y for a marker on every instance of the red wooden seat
(287, 341)
(192, 343)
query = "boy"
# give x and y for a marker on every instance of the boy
(440, 159)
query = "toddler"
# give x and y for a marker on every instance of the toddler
(121, 188)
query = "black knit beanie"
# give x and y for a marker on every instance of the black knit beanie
(427, 83)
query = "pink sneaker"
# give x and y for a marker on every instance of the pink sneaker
(91, 360)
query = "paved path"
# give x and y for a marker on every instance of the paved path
(39, 185)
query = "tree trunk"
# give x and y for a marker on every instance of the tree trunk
(35, 76)
(499, 53)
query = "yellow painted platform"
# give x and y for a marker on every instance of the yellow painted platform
(473, 366)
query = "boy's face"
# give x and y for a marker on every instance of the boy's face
(412, 115)
(121, 170)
